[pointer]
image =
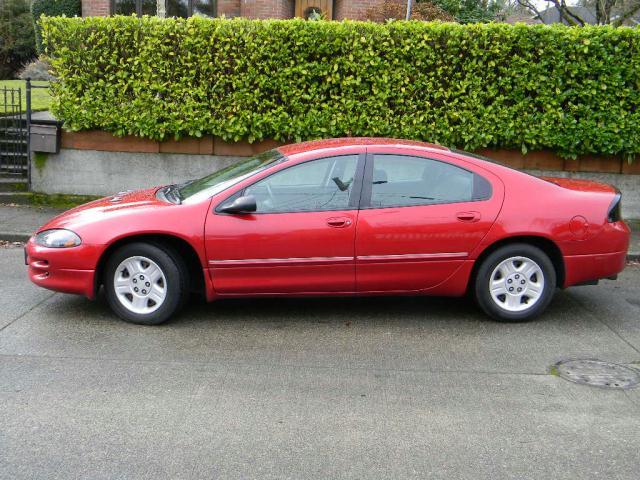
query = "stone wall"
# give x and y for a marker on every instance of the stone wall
(92, 172)
(97, 163)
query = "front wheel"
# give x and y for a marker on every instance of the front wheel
(145, 283)
(515, 283)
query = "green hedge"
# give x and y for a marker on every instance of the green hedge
(53, 8)
(573, 90)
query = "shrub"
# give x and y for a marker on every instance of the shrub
(53, 8)
(573, 90)
(36, 70)
(16, 36)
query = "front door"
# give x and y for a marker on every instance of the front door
(420, 219)
(300, 239)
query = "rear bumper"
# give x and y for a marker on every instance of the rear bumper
(581, 269)
(60, 269)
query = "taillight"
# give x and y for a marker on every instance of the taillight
(615, 209)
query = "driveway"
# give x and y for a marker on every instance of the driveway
(342, 388)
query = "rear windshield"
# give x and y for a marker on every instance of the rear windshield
(491, 160)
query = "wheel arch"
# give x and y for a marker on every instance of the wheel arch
(543, 243)
(179, 245)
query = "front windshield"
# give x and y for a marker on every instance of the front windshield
(228, 176)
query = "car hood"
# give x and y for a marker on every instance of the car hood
(120, 204)
(579, 185)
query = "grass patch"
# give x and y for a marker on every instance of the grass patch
(56, 200)
(40, 159)
(59, 200)
(40, 97)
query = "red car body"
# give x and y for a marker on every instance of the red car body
(428, 249)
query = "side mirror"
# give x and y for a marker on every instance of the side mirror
(246, 204)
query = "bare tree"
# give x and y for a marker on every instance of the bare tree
(605, 12)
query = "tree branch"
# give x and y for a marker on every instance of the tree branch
(627, 15)
(530, 6)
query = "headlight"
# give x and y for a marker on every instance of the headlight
(57, 238)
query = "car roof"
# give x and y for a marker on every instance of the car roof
(296, 148)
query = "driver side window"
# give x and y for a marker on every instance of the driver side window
(318, 185)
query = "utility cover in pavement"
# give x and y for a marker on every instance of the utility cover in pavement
(598, 373)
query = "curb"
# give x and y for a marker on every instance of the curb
(14, 237)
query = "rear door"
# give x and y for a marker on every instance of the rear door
(421, 216)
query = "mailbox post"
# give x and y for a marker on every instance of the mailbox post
(44, 136)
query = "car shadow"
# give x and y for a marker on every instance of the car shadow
(344, 311)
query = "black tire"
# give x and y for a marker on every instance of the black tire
(175, 282)
(483, 281)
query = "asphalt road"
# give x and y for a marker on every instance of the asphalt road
(342, 388)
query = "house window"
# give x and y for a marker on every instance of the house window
(137, 7)
(188, 8)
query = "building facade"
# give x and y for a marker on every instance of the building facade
(328, 9)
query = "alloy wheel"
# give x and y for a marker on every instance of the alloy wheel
(140, 285)
(516, 284)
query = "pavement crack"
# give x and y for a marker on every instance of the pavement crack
(28, 311)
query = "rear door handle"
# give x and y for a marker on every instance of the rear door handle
(339, 222)
(468, 216)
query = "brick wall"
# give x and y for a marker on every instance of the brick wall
(229, 8)
(267, 8)
(354, 9)
(96, 8)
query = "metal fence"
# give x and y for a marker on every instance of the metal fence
(14, 133)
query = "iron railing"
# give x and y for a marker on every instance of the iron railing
(14, 148)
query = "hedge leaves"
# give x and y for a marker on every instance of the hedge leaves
(573, 90)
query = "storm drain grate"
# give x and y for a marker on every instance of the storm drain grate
(598, 374)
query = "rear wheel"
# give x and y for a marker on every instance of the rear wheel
(515, 283)
(145, 283)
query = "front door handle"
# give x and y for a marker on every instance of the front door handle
(468, 217)
(339, 222)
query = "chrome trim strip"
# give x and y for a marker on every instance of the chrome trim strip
(270, 261)
(413, 256)
(302, 260)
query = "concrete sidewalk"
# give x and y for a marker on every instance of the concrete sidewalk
(17, 224)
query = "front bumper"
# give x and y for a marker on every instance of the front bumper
(62, 269)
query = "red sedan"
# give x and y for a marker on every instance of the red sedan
(339, 217)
